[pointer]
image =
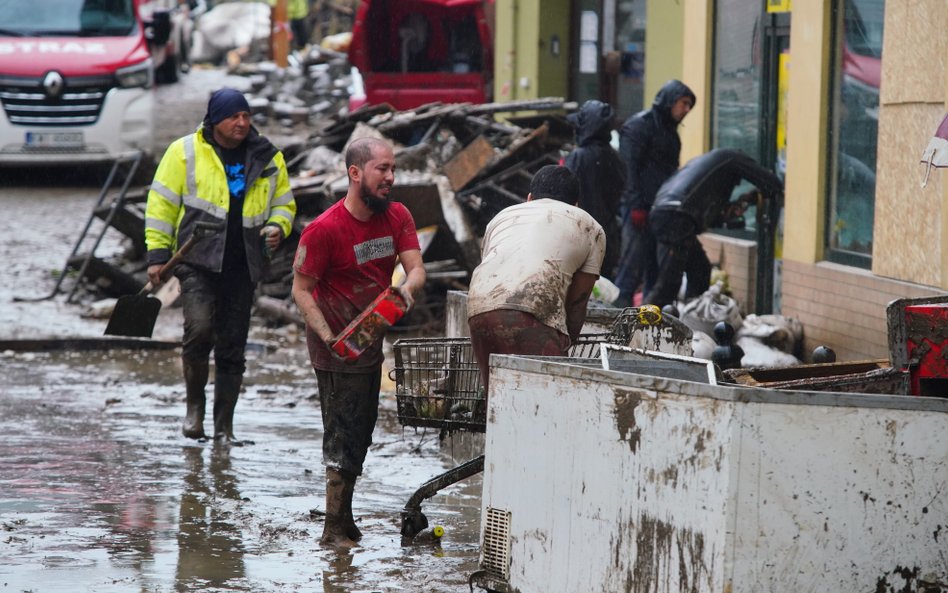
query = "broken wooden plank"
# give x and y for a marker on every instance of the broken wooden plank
(542, 104)
(111, 279)
(422, 115)
(278, 310)
(469, 162)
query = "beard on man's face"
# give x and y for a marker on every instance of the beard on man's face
(375, 203)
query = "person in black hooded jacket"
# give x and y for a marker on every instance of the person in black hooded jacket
(600, 172)
(650, 147)
(694, 199)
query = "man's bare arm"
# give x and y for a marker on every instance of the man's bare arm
(303, 286)
(577, 297)
(414, 275)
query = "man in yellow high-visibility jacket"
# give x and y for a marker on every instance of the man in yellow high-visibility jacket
(226, 174)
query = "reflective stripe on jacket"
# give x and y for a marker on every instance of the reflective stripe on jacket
(190, 186)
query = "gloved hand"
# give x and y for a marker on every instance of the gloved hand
(639, 218)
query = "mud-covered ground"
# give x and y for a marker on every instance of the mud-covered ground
(98, 490)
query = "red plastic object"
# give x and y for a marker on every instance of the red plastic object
(370, 325)
(454, 53)
(926, 344)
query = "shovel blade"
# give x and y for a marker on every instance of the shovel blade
(134, 316)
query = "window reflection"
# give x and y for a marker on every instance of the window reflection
(856, 123)
(737, 77)
(735, 108)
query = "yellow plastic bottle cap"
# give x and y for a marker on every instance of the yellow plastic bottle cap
(438, 531)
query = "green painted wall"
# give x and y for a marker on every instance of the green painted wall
(664, 45)
(524, 65)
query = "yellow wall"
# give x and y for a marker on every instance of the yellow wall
(524, 66)
(664, 27)
(807, 124)
(698, 47)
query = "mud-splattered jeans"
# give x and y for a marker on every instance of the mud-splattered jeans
(349, 403)
(216, 316)
(505, 331)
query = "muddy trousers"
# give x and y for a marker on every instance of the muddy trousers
(686, 257)
(637, 263)
(349, 404)
(216, 317)
(505, 331)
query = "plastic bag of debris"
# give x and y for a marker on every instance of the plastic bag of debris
(704, 312)
(770, 341)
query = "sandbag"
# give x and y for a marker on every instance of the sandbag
(704, 312)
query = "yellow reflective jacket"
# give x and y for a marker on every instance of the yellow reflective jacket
(190, 186)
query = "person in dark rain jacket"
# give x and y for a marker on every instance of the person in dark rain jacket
(694, 199)
(601, 174)
(650, 147)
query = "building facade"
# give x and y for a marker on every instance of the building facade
(839, 97)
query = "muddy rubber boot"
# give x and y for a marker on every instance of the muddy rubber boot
(226, 392)
(334, 529)
(195, 381)
(348, 488)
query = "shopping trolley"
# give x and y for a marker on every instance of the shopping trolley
(437, 385)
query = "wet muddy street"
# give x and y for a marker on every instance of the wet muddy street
(100, 492)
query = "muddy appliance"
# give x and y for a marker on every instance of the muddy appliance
(918, 342)
(635, 479)
(437, 385)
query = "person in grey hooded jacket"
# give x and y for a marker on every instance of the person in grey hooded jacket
(601, 174)
(650, 147)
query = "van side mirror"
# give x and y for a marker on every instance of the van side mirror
(158, 30)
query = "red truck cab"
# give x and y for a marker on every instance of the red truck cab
(412, 52)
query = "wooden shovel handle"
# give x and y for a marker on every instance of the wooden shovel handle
(166, 268)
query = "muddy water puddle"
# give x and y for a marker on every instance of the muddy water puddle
(99, 492)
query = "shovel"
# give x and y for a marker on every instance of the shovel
(135, 315)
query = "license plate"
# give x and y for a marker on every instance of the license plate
(54, 139)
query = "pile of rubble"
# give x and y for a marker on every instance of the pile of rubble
(457, 167)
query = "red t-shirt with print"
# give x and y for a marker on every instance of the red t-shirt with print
(353, 262)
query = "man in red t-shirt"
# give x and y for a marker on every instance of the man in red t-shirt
(345, 259)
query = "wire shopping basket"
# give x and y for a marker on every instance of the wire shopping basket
(438, 385)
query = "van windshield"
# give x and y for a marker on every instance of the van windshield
(47, 18)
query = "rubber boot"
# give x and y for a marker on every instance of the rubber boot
(348, 489)
(226, 392)
(335, 533)
(195, 380)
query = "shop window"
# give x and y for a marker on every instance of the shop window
(854, 131)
